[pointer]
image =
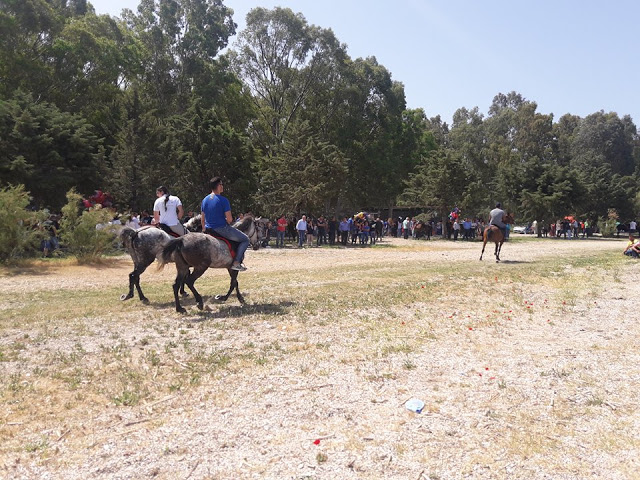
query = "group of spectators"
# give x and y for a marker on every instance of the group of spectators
(361, 229)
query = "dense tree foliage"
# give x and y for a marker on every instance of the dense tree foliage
(291, 122)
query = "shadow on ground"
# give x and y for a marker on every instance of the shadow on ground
(216, 309)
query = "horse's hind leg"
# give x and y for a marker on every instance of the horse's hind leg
(498, 248)
(182, 291)
(234, 283)
(190, 280)
(180, 279)
(483, 245)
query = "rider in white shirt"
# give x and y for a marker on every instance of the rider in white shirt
(167, 210)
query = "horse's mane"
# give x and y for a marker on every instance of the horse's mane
(193, 223)
(244, 223)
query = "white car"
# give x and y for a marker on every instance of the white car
(519, 229)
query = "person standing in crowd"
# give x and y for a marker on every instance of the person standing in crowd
(633, 226)
(344, 231)
(379, 227)
(280, 231)
(456, 229)
(134, 221)
(145, 218)
(167, 212)
(301, 227)
(216, 218)
(333, 227)
(311, 231)
(466, 225)
(321, 225)
(406, 224)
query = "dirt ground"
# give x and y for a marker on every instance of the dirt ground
(528, 369)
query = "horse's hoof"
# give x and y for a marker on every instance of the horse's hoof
(181, 310)
(145, 300)
(125, 296)
(200, 306)
(242, 300)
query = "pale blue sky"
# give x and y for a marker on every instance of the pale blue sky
(569, 56)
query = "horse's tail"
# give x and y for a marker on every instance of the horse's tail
(174, 246)
(489, 232)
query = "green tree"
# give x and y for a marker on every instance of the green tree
(18, 233)
(438, 182)
(305, 175)
(47, 150)
(181, 40)
(282, 61)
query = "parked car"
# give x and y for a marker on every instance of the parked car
(519, 229)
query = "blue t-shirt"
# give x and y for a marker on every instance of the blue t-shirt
(214, 208)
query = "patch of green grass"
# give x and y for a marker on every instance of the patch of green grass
(37, 446)
(127, 398)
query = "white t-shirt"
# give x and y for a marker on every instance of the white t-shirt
(168, 216)
(632, 225)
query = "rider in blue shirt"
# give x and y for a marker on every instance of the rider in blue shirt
(216, 218)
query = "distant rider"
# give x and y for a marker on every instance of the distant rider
(497, 218)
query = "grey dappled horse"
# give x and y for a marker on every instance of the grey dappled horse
(144, 245)
(201, 252)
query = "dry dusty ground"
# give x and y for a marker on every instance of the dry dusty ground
(528, 368)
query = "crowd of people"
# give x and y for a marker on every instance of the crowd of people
(360, 229)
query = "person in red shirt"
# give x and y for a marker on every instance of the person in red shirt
(282, 227)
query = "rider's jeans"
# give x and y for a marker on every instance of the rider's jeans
(235, 235)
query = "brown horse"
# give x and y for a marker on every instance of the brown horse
(494, 234)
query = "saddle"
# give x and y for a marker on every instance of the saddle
(166, 229)
(233, 246)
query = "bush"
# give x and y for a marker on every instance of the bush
(81, 229)
(19, 236)
(609, 225)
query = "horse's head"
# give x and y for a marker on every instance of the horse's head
(248, 226)
(508, 218)
(262, 225)
(194, 224)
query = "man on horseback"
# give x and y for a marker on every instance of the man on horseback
(497, 218)
(217, 219)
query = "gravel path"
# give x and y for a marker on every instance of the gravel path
(519, 385)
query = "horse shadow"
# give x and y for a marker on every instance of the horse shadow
(215, 309)
(514, 262)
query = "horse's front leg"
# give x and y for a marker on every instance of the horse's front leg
(127, 296)
(498, 248)
(238, 294)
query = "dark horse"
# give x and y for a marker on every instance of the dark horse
(144, 245)
(202, 251)
(494, 234)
